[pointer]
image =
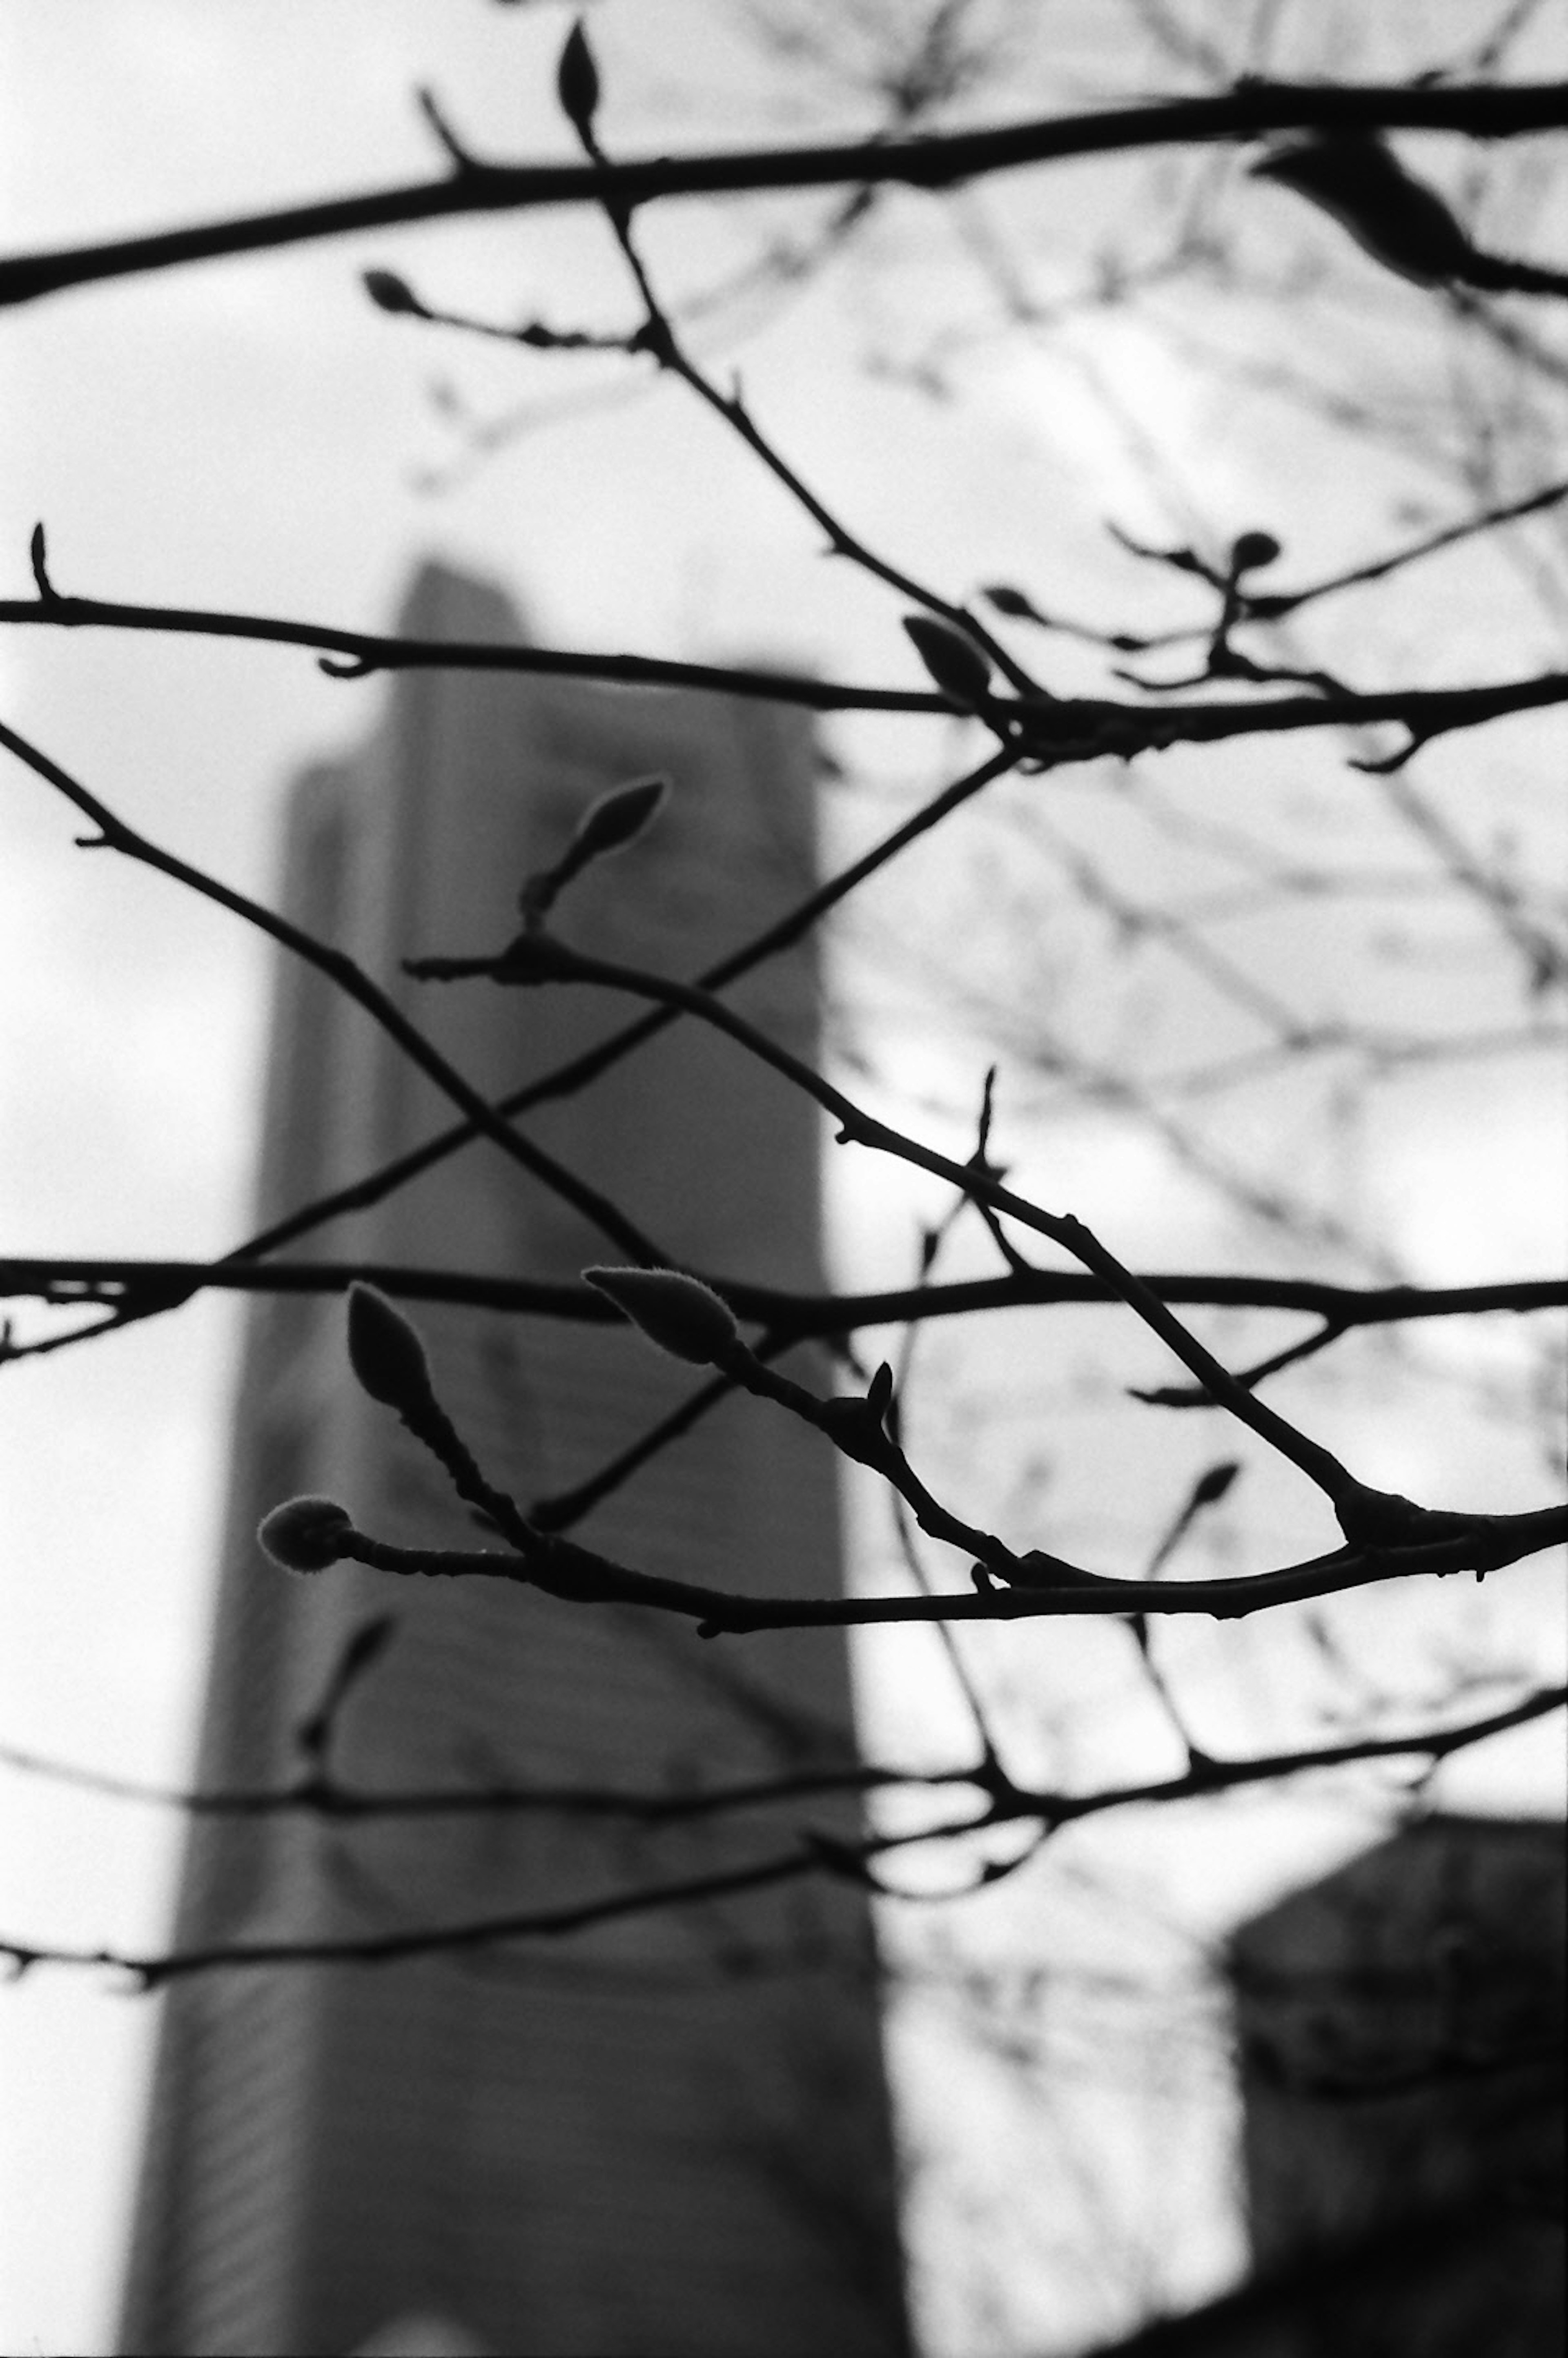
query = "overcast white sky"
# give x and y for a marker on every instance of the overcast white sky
(254, 434)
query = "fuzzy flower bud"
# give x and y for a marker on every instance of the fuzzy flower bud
(951, 657)
(386, 1352)
(305, 1534)
(678, 1312)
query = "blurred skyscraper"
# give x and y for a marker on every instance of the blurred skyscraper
(1400, 2027)
(1399, 2034)
(670, 2134)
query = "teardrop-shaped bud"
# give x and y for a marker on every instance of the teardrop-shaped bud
(617, 816)
(390, 293)
(386, 1352)
(1009, 600)
(678, 1312)
(1210, 1487)
(305, 1534)
(577, 82)
(951, 657)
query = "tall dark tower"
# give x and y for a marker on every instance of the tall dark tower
(670, 2134)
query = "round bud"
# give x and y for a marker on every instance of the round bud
(306, 1534)
(1252, 550)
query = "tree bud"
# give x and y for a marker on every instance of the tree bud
(1396, 219)
(388, 292)
(1252, 550)
(678, 1312)
(1009, 600)
(1210, 1487)
(386, 1352)
(616, 817)
(951, 657)
(305, 1534)
(577, 82)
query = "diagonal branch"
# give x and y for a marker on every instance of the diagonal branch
(114, 835)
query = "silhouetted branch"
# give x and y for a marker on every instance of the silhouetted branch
(114, 835)
(1046, 1587)
(535, 959)
(579, 1071)
(812, 1855)
(360, 653)
(931, 160)
(67, 1284)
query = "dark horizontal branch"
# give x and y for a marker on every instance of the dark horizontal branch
(365, 653)
(1056, 730)
(934, 161)
(808, 1856)
(329, 1796)
(109, 1282)
(1084, 728)
(1442, 1545)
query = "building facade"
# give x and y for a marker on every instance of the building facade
(670, 2133)
(1399, 2031)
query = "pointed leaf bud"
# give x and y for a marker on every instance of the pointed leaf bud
(1392, 216)
(1009, 600)
(617, 816)
(678, 1312)
(577, 82)
(1210, 1487)
(951, 657)
(385, 1351)
(388, 292)
(306, 1534)
(1252, 550)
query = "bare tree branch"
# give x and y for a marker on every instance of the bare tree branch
(931, 160)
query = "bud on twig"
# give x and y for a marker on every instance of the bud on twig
(1392, 216)
(1210, 1487)
(611, 820)
(678, 1312)
(305, 1534)
(388, 292)
(1252, 551)
(1009, 600)
(951, 657)
(386, 1352)
(617, 816)
(577, 83)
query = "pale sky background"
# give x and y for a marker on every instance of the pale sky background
(254, 434)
